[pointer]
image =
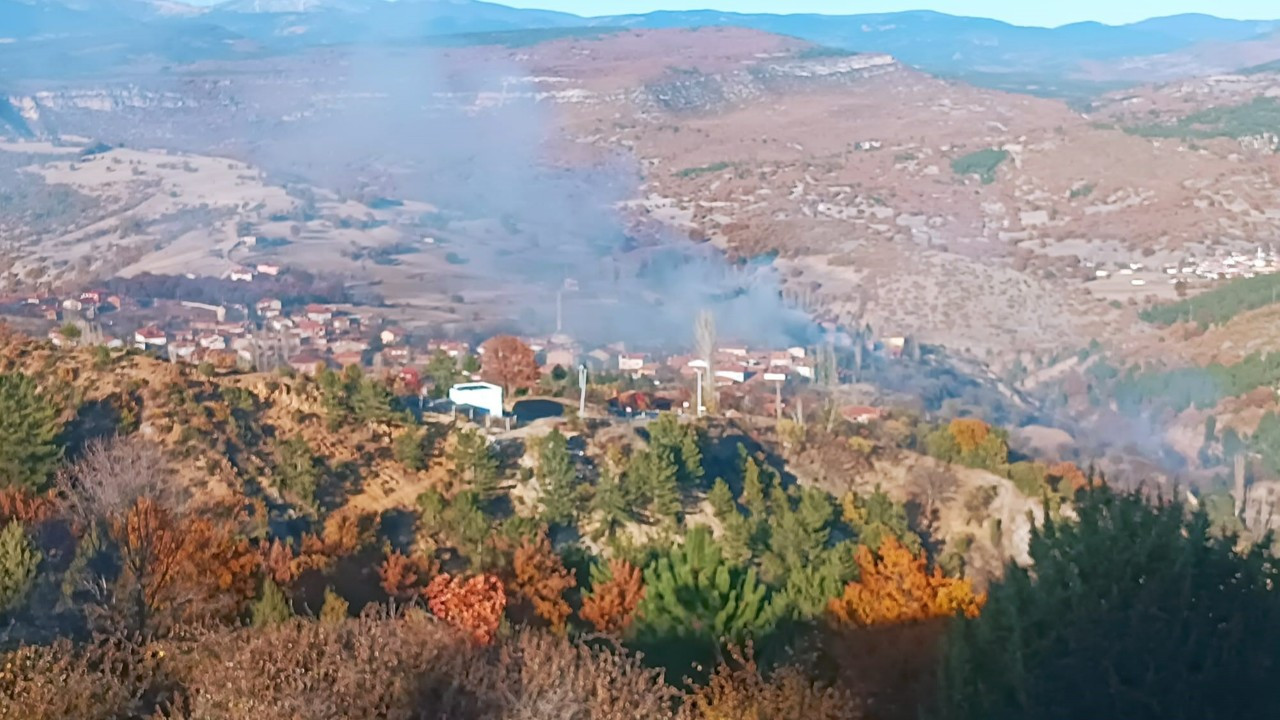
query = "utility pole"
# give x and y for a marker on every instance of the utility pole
(777, 402)
(699, 408)
(559, 311)
(582, 394)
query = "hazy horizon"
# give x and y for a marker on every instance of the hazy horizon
(1017, 13)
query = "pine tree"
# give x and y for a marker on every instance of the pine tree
(753, 487)
(407, 449)
(19, 562)
(443, 372)
(335, 397)
(721, 499)
(558, 479)
(798, 535)
(876, 517)
(683, 442)
(736, 538)
(272, 607)
(692, 595)
(467, 523)
(610, 507)
(297, 472)
(654, 471)
(335, 610)
(1140, 600)
(29, 429)
(474, 463)
(371, 400)
(810, 587)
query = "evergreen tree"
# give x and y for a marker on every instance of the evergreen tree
(753, 487)
(721, 499)
(694, 600)
(1135, 610)
(29, 428)
(610, 506)
(335, 609)
(683, 442)
(443, 372)
(371, 400)
(798, 535)
(654, 472)
(736, 538)
(19, 562)
(408, 451)
(335, 397)
(297, 472)
(558, 479)
(810, 587)
(474, 463)
(272, 607)
(466, 522)
(876, 516)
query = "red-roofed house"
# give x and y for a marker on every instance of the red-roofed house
(319, 313)
(150, 337)
(861, 414)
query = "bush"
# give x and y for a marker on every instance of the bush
(982, 163)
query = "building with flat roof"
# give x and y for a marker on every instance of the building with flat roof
(479, 395)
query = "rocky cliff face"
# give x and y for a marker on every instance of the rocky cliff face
(692, 91)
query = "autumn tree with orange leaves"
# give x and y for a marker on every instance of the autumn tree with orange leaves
(175, 569)
(615, 595)
(510, 363)
(896, 586)
(1067, 478)
(28, 508)
(541, 580)
(402, 577)
(473, 605)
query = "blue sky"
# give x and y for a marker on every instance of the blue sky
(1022, 12)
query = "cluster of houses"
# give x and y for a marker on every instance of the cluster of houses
(1223, 266)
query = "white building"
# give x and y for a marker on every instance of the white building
(479, 395)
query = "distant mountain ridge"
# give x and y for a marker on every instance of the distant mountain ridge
(977, 49)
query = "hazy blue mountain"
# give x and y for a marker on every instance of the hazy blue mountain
(952, 44)
(982, 50)
(1196, 28)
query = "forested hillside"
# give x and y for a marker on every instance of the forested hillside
(183, 542)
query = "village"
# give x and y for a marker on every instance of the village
(270, 335)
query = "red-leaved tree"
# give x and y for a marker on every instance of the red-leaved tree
(510, 363)
(473, 605)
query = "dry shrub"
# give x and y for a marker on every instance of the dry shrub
(412, 666)
(551, 677)
(109, 679)
(738, 690)
(112, 475)
(372, 667)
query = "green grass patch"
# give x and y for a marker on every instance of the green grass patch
(982, 163)
(704, 170)
(1260, 116)
(1220, 304)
